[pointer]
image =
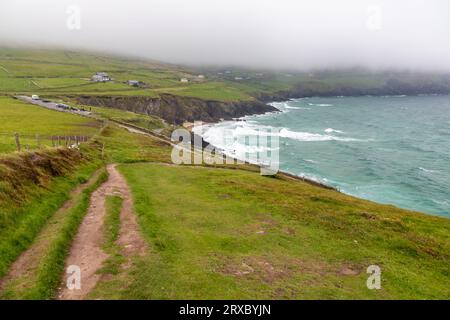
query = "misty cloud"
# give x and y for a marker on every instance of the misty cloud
(261, 33)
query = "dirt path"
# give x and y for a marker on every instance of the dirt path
(25, 267)
(86, 251)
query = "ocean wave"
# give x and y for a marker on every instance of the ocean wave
(331, 130)
(283, 106)
(320, 104)
(427, 170)
(239, 148)
(297, 108)
(236, 130)
(310, 137)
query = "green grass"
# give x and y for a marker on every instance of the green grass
(55, 73)
(207, 227)
(123, 147)
(30, 120)
(67, 73)
(44, 282)
(208, 91)
(52, 72)
(112, 227)
(140, 120)
(27, 202)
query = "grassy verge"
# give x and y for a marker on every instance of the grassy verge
(31, 192)
(41, 280)
(232, 234)
(140, 120)
(125, 147)
(112, 228)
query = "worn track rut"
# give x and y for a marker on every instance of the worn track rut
(86, 251)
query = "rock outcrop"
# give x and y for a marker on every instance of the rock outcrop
(177, 109)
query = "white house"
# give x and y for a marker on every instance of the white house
(184, 80)
(101, 77)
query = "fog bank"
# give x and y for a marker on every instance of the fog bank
(256, 33)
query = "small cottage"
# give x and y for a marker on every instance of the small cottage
(101, 77)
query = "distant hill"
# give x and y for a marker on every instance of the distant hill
(187, 93)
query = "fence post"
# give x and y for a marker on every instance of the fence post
(16, 135)
(38, 141)
(59, 141)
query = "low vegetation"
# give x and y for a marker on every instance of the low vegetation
(112, 227)
(232, 234)
(123, 146)
(35, 125)
(42, 276)
(141, 120)
(33, 186)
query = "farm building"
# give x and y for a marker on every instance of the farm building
(184, 80)
(134, 83)
(101, 77)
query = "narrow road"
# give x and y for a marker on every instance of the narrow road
(86, 251)
(51, 105)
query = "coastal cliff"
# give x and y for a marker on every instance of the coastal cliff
(176, 109)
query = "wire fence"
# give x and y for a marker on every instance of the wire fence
(10, 142)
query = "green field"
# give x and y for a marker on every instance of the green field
(140, 120)
(54, 73)
(58, 73)
(28, 121)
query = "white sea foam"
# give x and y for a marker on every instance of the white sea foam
(215, 134)
(297, 108)
(320, 104)
(285, 106)
(331, 130)
(310, 137)
(427, 170)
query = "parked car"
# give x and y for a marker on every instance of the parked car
(62, 106)
(35, 97)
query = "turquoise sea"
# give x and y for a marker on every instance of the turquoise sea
(393, 149)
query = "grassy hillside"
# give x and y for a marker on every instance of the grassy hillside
(227, 234)
(62, 73)
(51, 73)
(28, 121)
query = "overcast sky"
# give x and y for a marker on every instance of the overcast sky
(262, 33)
